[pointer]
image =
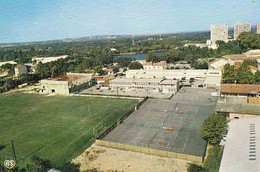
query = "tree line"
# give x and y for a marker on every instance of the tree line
(242, 74)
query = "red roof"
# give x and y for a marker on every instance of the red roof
(240, 88)
(253, 67)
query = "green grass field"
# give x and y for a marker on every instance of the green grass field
(57, 128)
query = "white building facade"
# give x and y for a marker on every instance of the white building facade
(150, 85)
(64, 84)
(240, 28)
(218, 33)
(212, 77)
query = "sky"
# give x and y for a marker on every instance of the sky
(39, 20)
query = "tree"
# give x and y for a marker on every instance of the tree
(151, 57)
(9, 84)
(214, 128)
(249, 40)
(37, 164)
(124, 61)
(257, 77)
(69, 167)
(229, 74)
(213, 161)
(200, 65)
(98, 70)
(195, 168)
(135, 65)
(244, 76)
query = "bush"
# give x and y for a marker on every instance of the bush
(213, 161)
(135, 65)
(195, 168)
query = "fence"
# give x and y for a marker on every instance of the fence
(149, 151)
(102, 135)
(106, 96)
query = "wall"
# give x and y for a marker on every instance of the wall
(171, 74)
(60, 87)
(241, 116)
(19, 70)
(80, 78)
(149, 151)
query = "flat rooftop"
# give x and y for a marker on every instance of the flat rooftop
(67, 78)
(124, 79)
(144, 127)
(242, 148)
(241, 108)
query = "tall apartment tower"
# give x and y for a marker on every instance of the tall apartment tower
(258, 28)
(218, 33)
(241, 27)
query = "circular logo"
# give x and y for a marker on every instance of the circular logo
(9, 164)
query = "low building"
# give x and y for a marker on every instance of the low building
(154, 84)
(5, 72)
(31, 68)
(66, 84)
(109, 71)
(184, 75)
(38, 60)
(19, 70)
(140, 61)
(212, 82)
(152, 66)
(253, 69)
(237, 107)
(248, 90)
(218, 63)
(8, 62)
(103, 81)
(195, 44)
(241, 151)
(252, 54)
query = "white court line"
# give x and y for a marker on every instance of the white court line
(185, 144)
(168, 145)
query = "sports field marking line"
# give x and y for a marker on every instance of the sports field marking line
(185, 144)
(79, 137)
(61, 135)
(24, 131)
(168, 144)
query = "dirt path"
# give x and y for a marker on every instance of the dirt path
(108, 160)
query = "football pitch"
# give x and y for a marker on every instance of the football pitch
(57, 128)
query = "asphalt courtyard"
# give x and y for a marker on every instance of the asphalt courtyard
(183, 113)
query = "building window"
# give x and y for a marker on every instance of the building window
(236, 117)
(53, 90)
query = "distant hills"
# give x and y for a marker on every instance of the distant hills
(113, 37)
